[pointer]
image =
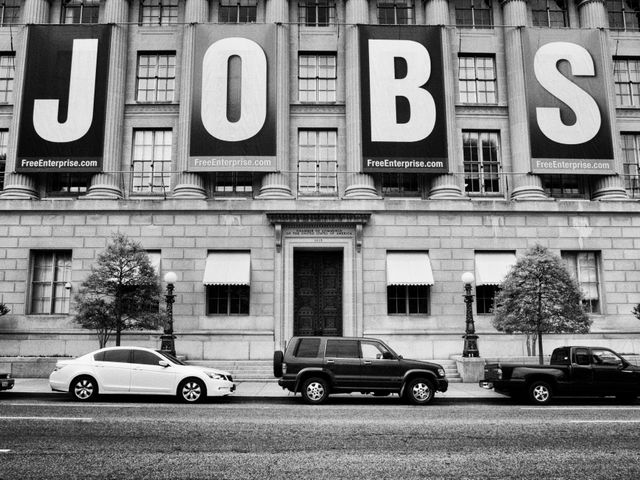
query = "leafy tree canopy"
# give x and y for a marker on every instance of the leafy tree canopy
(538, 296)
(121, 293)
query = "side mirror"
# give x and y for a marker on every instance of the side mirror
(387, 356)
(164, 364)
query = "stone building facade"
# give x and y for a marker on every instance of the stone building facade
(319, 243)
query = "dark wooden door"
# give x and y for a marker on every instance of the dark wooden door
(317, 289)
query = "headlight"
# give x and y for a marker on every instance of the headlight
(441, 372)
(499, 373)
(215, 376)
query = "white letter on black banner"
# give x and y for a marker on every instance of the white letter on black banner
(253, 103)
(385, 88)
(588, 118)
(82, 88)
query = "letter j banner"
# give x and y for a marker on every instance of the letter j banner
(64, 102)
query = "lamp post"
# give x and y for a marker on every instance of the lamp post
(168, 345)
(470, 338)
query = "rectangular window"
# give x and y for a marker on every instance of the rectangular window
(231, 184)
(50, 273)
(408, 299)
(549, 13)
(402, 184)
(151, 162)
(477, 79)
(395, 12)
(486, 298)
(565, 186)
(228, 300)
(474, 13)
(626, 74)
(318, 162)
(342, 349)
(156, 77)
(624, 14)
(7, 74)
(318, 13)
(481, 162)
(308, 348)
(237, 11)
(80, 11)
(317, 78)
(158, 12)
(67, 184)
(584, 268)
(631, 162)
(4, 140)
(9, 12)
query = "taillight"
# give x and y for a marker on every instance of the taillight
(499, 373)
(284, 368)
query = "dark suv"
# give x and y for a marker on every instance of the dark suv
(318, 366)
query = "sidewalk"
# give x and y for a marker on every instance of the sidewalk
(40, 386)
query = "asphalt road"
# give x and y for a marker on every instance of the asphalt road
(352, 438)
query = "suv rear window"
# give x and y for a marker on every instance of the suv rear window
(342, 349)
(308, 348)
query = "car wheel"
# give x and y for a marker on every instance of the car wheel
(540, 393)
(192, 390)
(278, 358)
(84, 388)
(420, 391)
(315, 390)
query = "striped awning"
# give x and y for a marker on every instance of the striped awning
(492, 267)
(228, 268)
(409, 268)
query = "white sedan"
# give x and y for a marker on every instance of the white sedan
(137, 370)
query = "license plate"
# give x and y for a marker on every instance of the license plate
(5, 384)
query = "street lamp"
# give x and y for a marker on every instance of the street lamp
(470, 338)
(168, 344)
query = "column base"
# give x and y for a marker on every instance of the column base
(274, 186)
(104, 187)
(610, 188)
(361, 185)
(529, 192)
(19, 187)
(189, 186)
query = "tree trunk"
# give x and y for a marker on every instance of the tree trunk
(539, 324)
(540, 353)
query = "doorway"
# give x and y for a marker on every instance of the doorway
(317, 287)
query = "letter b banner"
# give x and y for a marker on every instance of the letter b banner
(64, 102)
(403, 107)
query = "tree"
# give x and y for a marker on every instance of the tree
(122, 292)
(3, 309)
(538, 296)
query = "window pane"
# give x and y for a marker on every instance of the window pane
(118, 356)
(308, 347)
(342, 349)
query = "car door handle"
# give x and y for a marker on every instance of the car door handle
(330, 362)
(367, 362)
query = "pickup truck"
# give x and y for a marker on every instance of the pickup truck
(573, 371)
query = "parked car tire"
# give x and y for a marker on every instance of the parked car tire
(278, 357)
(192, 390)
(420, 391)
(540, 393)
(84, 388)
(315, 390)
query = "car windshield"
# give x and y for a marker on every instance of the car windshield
(170, 357)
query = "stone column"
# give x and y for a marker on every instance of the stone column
(449, 184)
(276, 185)
(108, 183)
(359, 185)
(187, 184)
(525, 185)
(593, 14)
(18, 185)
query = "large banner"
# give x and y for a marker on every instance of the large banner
(403, 106)
(569, 124)
(64, 101)
(233, 110)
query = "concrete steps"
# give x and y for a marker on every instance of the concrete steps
(262, 370)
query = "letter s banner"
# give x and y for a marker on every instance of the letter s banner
(403, 106)
(567, 102)
(64, 102)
